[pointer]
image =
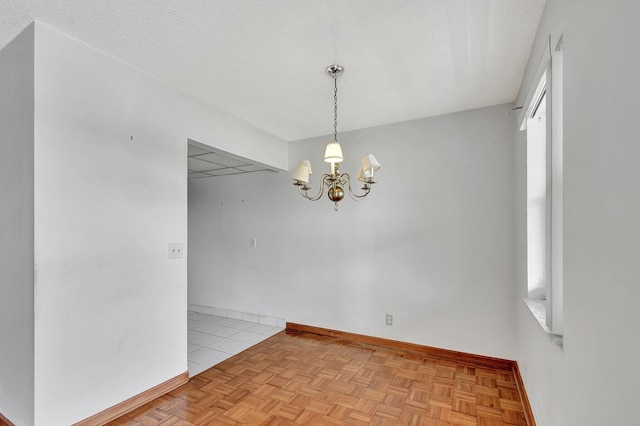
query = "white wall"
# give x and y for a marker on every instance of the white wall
(110, 307)
(432, 244)
(16, 229)
(592, 381)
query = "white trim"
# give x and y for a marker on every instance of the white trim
(540, 91)
(539, 310)
(556, 196)
(543, 63)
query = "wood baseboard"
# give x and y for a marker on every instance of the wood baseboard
(134, 402)
(528, 413)
(5, 421)
(499, 363)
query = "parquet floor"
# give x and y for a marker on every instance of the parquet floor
(307, 379)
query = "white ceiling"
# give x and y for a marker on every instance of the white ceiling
(265, 60)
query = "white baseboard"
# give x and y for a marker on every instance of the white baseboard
(244, 316)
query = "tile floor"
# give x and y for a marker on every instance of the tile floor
(212, 339)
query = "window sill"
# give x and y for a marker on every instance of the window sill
(538, 308)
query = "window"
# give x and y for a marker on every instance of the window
(537, 204)
(543, 123)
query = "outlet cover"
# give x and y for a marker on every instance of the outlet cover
(176, 250)
(388, 319)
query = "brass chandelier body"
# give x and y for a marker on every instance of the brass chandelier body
(335, 182)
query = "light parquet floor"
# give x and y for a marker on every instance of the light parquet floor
(308, 379)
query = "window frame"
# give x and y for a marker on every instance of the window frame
(549, 84)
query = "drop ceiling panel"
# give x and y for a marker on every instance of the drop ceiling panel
(226, 172)
(206, 162)
(201, 166)
(198, 175)
(251, 168)
(194, 150)
(221, 160)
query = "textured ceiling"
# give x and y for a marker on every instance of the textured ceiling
(264, 61)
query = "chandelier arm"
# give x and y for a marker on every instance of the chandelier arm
(355, 197)
(305, 194)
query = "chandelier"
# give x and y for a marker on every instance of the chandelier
(335, 182)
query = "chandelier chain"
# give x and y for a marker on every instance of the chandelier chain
(335, 108)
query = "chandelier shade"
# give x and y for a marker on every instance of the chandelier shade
(370, 164)
(336, 183)
(333, 153)
(303, 171)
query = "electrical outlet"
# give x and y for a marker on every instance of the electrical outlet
(388, 319)
(176, 250)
